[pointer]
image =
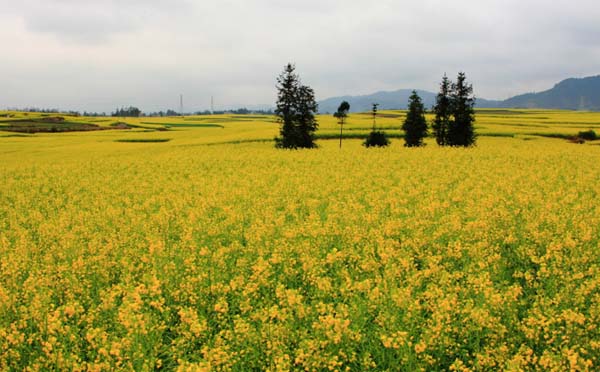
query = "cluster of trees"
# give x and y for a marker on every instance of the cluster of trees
(454, 116)
(452, 126)
(454, 113)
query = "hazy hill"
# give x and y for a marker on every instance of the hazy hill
(395, 100)
(570, 94)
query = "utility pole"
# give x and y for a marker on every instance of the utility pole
(212, 105)
(181, 104)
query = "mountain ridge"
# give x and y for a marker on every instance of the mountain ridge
(569, 94)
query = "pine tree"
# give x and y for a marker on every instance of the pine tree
(288, 83)
(306, 122)
(296, 110)
(443, 112)
(415, 125)
(461, 131)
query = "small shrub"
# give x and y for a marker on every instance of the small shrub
(377, 139)
(588, 135)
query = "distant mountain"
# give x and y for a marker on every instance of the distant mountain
(570, 94)
(396, 100)
(487, 103)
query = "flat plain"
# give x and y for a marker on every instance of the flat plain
(191, 243)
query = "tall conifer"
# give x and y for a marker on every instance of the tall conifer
(296, 110)
(415, 125)
(443, 112)
(461, 131)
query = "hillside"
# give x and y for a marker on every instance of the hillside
(569, 94)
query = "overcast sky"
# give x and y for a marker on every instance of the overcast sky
(100, 54)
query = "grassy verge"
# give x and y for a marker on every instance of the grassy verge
(189, 125)
(143, 140)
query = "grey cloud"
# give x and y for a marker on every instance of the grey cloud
(153, 50)
(79, 30)
(88, 21)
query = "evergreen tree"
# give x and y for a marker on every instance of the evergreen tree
(287, 86)
(296, 110)
(306, 122)
(415, 125)
(443, 112)
(341, 115)
(461, 131)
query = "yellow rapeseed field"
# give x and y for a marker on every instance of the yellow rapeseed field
(216, 251)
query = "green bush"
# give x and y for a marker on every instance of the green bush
(377, 139)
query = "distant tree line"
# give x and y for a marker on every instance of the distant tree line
(239, 111)
(94, 114)
(127, 112)
(136, 112)
(45, 111)
(168, 112)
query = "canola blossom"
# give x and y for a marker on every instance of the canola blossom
(203, 253)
